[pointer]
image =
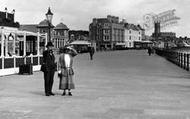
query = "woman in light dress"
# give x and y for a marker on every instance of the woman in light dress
(65, 70)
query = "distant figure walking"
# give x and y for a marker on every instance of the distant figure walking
(149, 50)
(91, 52)
(65, 70)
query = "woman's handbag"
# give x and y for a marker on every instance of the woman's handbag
(55, 66)
(59, 75)
(67, 71)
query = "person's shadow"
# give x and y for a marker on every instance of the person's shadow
(41, 93)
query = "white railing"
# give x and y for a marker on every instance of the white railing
(10, 65)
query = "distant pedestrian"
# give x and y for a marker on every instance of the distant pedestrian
(91, 52)
(48, 67)
(65, 70)
(153, 50)
(149, 50)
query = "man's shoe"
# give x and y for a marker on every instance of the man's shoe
(47, 94)
(70, 94)
(63, 94)
(52, 94)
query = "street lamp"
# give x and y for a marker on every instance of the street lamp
(49, 16)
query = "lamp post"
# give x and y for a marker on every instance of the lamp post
(49, 16)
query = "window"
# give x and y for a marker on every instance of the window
(106, 25)
(106, 31)
(43, 31)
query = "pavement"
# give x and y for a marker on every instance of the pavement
(115, 85)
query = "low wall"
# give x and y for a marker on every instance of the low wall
(10, 65)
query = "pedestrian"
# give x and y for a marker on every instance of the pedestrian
(149, 51)
(91, 52)
(65, 70)
(48, 67)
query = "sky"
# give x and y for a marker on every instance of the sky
(78, 14)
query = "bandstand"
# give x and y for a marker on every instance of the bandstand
(20, 47)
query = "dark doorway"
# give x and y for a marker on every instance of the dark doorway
(31, 43)
(21, 48)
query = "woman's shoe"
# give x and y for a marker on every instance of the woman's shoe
(70, 94)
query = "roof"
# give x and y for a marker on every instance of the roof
(80, 43)
(133, 27)
(61, 26)
(44, 23)
(29, 27)
(103, 20)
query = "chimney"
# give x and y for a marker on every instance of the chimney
(6, 12)
(13, 12)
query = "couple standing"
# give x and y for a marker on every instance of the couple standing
(65, 71)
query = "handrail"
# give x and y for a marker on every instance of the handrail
(179, 58)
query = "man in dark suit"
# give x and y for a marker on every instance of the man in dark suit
(50, 68)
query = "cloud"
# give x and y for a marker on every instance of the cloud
(78, 14)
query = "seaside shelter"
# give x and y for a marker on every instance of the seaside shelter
(81, 46)
(18, 47)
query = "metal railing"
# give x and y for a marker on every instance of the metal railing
(179, 58)
(14, 62)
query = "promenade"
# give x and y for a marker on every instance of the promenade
(115, 85)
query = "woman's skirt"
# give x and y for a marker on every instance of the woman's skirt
(66, 82)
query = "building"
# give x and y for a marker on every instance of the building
(163, 39)
(60, 35)
(29, 27)
(7, 19)
(133, 35)
(18, 47)
(57, 34)
(45, 27)
(106, 32)
(78, 35)
(161, 35)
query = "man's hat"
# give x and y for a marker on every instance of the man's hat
(49, 44)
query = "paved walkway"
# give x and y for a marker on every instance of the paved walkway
(115, 85)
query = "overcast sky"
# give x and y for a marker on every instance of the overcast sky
(78, 14)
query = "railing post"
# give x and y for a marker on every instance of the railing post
(173, 57)
(178, 59)
(32, 58)
(184, 61)
(187, 62)
(38, 59)
(14, 61)
(3, 62)
(181, 60)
